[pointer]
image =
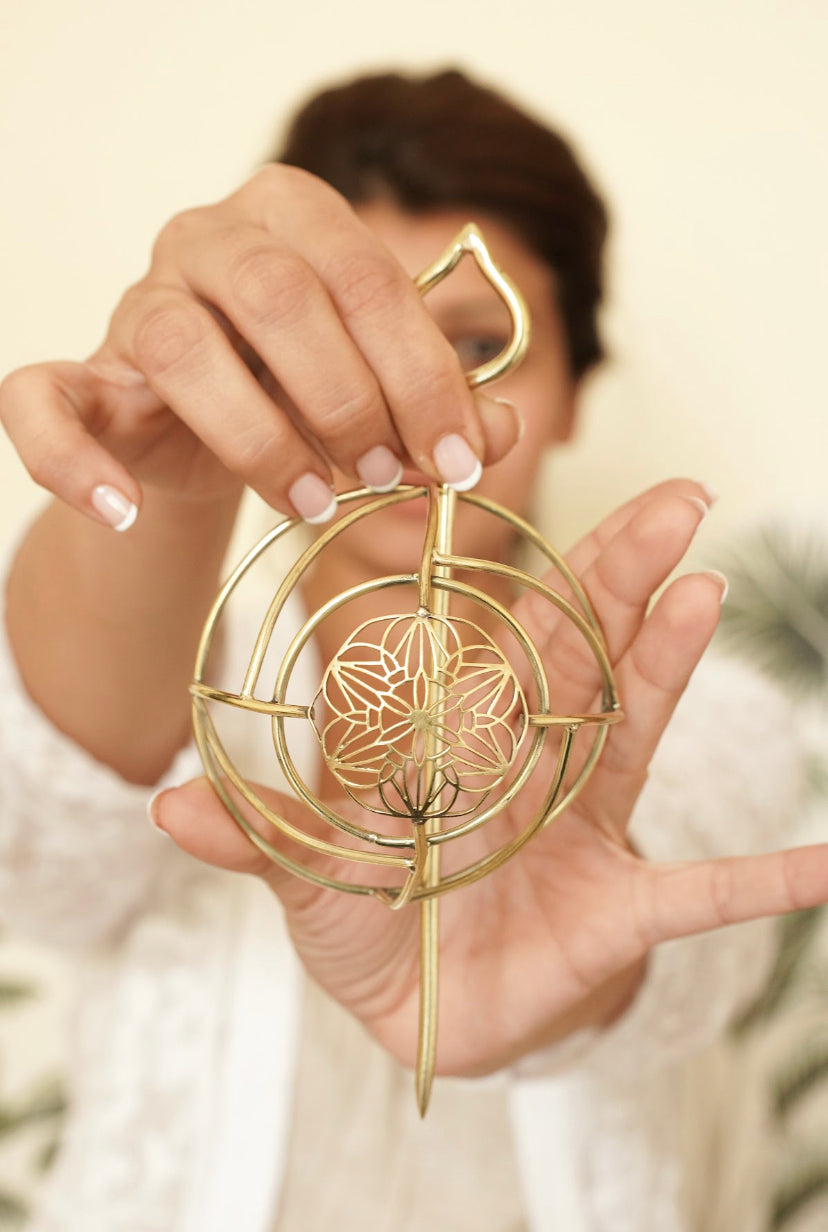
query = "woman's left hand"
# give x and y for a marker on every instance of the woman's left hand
(558, 937)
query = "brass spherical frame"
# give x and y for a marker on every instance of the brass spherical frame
(406, 854)
(416, 857)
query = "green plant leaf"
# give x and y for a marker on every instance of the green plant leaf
(46, 1157)
(796, 935)
(46, 1104)
(12, 1212)
(807, 1068)
(816, 770)
(776, 614)
(804, 1182)
(12, 991)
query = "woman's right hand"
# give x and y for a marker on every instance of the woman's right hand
(272, 336)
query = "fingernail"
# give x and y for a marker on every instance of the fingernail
(313, 499)
(516, 412)
(698, 504)
(456, 462)
(379, 469)
(720, 580)
(711, 495)
(115, 508)
(152, 811)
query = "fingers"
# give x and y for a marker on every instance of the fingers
(419, 374)
(651, 678)
(47, 410)
(632, 555)
(367, 379)
(680, 900)
(585, 552)
(282, 281)
(191, 366)
(274, 299)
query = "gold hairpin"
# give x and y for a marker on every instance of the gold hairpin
(420, 716)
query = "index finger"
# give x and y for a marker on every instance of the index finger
(632, 554)
(418, 371)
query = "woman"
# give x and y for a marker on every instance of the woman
(186, 1113)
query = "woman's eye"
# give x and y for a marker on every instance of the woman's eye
(476, 349)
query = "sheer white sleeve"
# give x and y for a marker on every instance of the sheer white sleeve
(77, 854)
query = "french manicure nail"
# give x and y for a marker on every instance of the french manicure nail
(456, 462)
(699, 504)
(115, 508)
(313, 499)
(517, 412)
(379, 469)
(152, 811)
(720, 580)
(711, 494)
(503, 404)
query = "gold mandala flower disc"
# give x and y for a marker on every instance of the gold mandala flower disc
(419, 716)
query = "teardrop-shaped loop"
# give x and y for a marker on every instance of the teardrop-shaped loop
(470, 241)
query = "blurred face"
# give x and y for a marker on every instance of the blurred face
(476, 322)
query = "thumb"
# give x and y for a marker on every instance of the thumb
(502, 425)
(195, 818)
(197, 822)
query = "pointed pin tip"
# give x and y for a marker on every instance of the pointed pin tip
(423, 1092)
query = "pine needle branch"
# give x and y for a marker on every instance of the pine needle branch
(12, 1212)
(48, 1104)
(805, 1181)
(807, 1069)
(776, 614)
(13, 991)
(816, 771)
(796, 936)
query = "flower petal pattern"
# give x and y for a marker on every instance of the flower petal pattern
(414, 721)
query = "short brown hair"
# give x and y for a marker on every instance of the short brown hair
(445, 140)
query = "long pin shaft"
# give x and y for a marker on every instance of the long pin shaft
(443, 503)
(429, 994)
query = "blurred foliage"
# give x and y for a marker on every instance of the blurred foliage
(45, 1105)
(12, 1213)
(805, 1181)
(799, 1075)
(12, 991)
(797, 935)
(776, 616)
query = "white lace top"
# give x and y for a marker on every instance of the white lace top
(186, 1040)
(360, 1156)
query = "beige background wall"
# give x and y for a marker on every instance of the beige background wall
(705, 121)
